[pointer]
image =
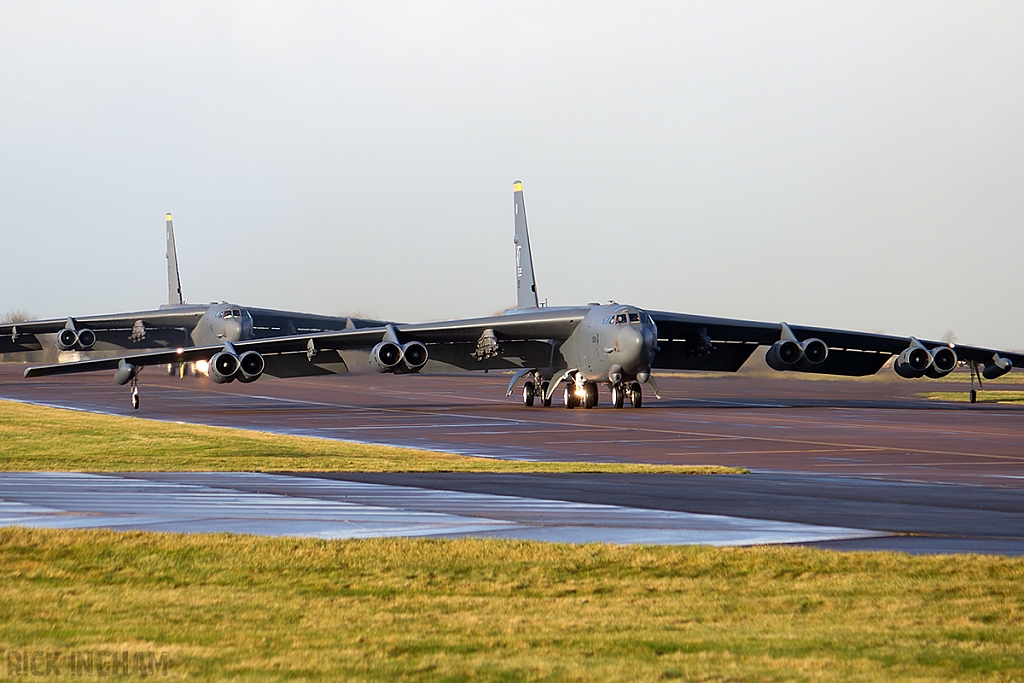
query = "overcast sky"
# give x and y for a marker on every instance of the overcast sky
(856, 165)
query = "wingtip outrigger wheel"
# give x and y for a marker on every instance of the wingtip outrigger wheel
(973, 395)
(135, 395)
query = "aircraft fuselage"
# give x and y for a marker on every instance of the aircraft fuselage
(223, 323)
(612, 343)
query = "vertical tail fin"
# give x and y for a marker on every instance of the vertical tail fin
(174, 297)
(526, 285)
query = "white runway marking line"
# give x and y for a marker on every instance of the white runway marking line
(280, 505)
(426, 425)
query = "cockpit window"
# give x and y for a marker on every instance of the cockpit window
(620, 319)
(634, 318)
(236, 312)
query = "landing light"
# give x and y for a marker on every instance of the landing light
(179, 351)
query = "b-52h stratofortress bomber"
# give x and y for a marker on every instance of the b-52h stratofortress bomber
(577, 348)
(175, 325)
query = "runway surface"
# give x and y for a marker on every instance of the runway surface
(858, 455)
(278, 505)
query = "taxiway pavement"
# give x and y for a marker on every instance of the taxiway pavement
(865, 455)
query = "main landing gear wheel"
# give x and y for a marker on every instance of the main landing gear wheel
(974, 396)
(545, 400)
(528, 394)
(590, 400)
(569, 396)
(618, 396)
(636, 397)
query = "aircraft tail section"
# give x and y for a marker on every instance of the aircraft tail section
(526, 285)
(174, 297)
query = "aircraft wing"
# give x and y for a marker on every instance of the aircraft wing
(179, 316)
(269, 322)
(274, 345)
(452, 342)
(695, 342)
(541, 323)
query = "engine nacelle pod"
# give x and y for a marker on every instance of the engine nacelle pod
(223, 367)
(86, 339)
(912, 362)
(250, 367)
(997, 367)
(385, 356)
(815, 353)
(66, 339)
(944, 361)
(126, 372)
(414, 357)
(784, 354)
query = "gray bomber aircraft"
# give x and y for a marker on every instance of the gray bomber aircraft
(175, 325)
(577, 348)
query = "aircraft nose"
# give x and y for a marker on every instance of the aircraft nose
(650, 336)
(232, 330)
(631, 346)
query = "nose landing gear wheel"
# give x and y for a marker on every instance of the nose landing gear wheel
(618, 396)
(528, 394)
(569, 396)
(545, 400)
(636, 397)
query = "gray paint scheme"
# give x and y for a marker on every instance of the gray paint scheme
(615, 345)
(526, 283)
(174, 297)
(174, 325)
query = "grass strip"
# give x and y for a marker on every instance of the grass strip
(37, 438)
(986, 396)
(254, 609)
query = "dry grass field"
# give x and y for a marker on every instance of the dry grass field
(987, 396)
(262, 609)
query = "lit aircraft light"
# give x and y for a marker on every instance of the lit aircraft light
(202, 367)
(179, 351)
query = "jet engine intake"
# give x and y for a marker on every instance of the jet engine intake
(784, 354)
(385, 356)
(414, 356)
(997, 367)
(912, 362)
(944, 361)
(70, 338)
(66, 339)
(86, 339)
(815, 352)
(223, 367)
(789, 354)
(250, 366)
